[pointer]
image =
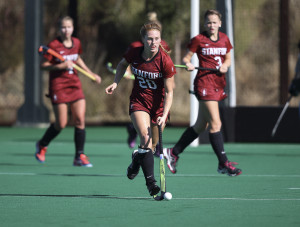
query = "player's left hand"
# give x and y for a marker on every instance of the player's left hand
(161, 121)
(223, 68)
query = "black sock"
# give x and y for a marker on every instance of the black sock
(135, 164)
(147, 163)
(186, 138)
(216, 140)
(49, 135)
(79, 138)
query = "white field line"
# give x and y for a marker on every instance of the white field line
(149, 198)
(237, 199)
(240, 199)
(168, 175)
(243, 175)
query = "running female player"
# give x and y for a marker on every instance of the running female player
(150, 100)
(65, 91)
(213, 51)
(132, 134)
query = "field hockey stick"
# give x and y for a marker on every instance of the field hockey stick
(47, 50)
(113, 71)
(161, 168)
(200, 68)
(281, 115)
(192, 92)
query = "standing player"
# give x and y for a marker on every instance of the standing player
(65, 92)
(213, 51)
(150, 100)
(294, 88)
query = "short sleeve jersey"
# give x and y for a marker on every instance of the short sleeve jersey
(211, 54)
(149, 76)
(60, 79)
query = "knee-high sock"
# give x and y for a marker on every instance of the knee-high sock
(135, 164)
(216, 140)
(186, 138)
(79, 139)
(147, 163)
(49, 135)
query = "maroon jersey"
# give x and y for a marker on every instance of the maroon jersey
(211, 54)
(64, 85)
(148, 90)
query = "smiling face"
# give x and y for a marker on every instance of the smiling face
(212, 24)
(152, 40)
(66, 28)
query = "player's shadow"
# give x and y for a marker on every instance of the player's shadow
(65, 174)
(14, 164)
(66, 141)
(78, 196)
(67, 155)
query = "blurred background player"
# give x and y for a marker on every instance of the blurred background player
(132, 134)
(65, 92)
(294, 88)
(213, 51)
(150, 100)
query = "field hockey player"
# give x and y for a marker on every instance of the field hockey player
(213, 50)
(65, 91)
(150, 100)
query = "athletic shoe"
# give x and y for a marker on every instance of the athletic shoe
(83, 160)
(132, 135)
(229, 169)
(134, 167)
(40, 152)
(153, 189)
(171, 159)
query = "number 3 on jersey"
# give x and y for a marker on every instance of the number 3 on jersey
(219, 60)
(146, 83)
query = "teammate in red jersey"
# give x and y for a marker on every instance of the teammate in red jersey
(65, 91)
(213, 51)
(150, 100)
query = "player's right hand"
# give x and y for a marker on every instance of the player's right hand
(68, 65)
(98, 79)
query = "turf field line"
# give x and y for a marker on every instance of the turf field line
(243, 175)
(241, 199)
(146, 198)
(168, 175)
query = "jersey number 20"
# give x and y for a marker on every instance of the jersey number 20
(146, 83)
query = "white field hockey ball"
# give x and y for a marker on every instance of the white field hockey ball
(168, 196)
